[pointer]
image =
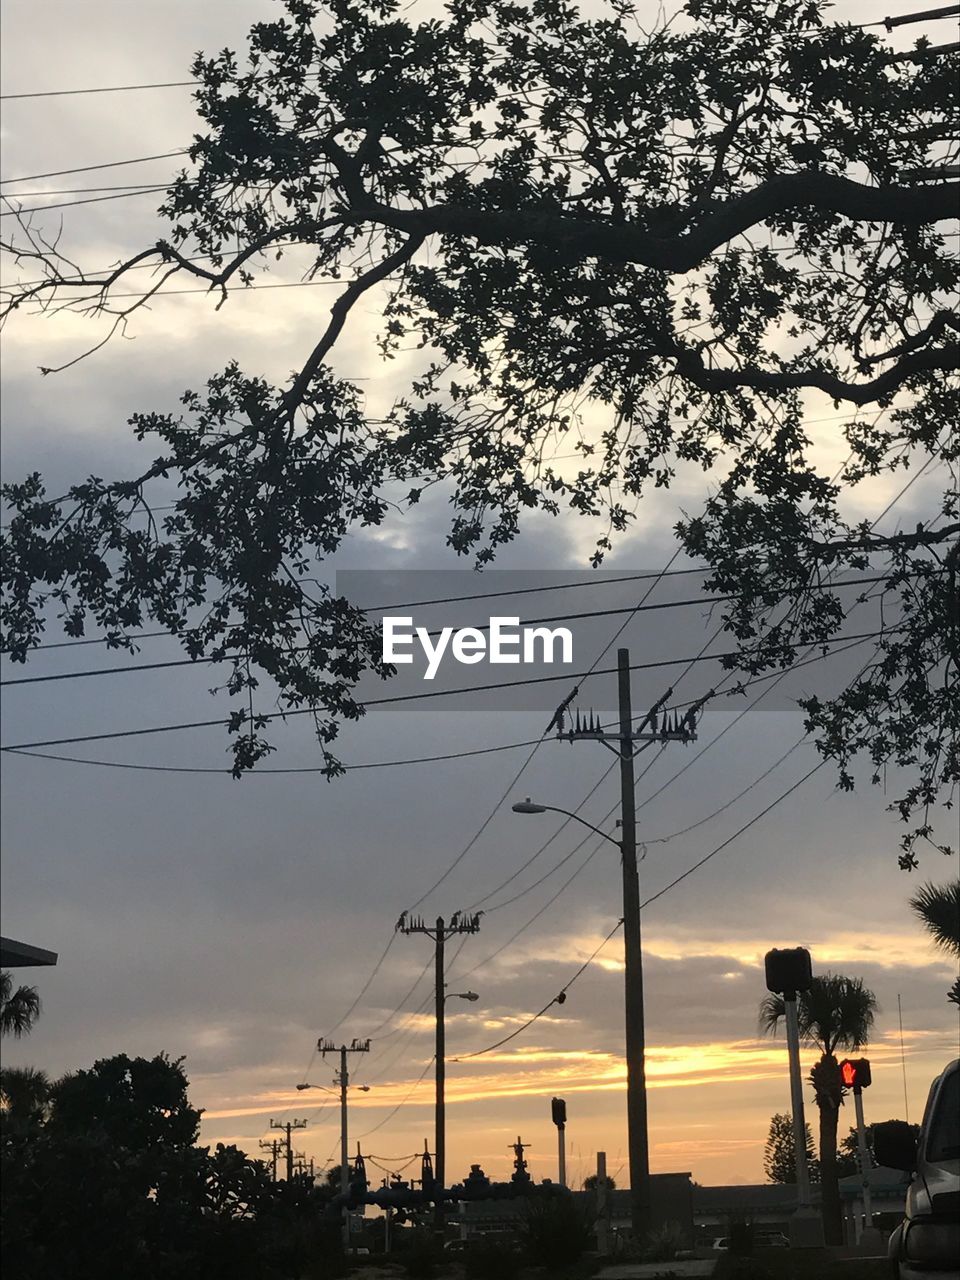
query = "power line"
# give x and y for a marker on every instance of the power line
(496, 808)
(400, 1104)
(410, 604)
(350, 768)
(480, 626)
(561, 996)
(557, 999)
(702, 861)
(498, 906)
(888, 23)
(81, 191)
(489, 818)
(72, 204)
(606, 817)
(91, 168)
(112, 88)
(780, 676)
(398, 698)
(363, 989)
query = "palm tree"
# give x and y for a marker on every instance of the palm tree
(938, 908)
(24, 1092)
(19, 1009)
(835, 1013)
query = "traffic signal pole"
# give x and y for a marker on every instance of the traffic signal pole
(558, 1110)
(864, 1158)
(796, 1099)
(856, 1075)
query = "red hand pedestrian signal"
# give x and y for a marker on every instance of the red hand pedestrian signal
(855, 1073)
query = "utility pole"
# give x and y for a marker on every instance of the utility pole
(286, 1142)
(625, 743)
(343, 1080)
(440, 932)
(273, 1146)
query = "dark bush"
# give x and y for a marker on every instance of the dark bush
(742, 1238)
(491, 1260)
(555, 1231)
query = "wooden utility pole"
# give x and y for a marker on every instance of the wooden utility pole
(637, 1138)
(286, 1142)
(658, 726)
(273, 1146)
(343, 1080)
(440, 932)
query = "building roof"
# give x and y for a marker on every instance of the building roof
(20, 955)
(763, 1196)
(884, 1182)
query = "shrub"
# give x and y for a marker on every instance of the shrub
(663, 1243)
(491, 1260)
(741, 1236)
(554, 1231)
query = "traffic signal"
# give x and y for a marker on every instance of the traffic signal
(788, 969)
(558, 1109)
(855, 1073)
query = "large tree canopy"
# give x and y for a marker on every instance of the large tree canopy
(656, 248)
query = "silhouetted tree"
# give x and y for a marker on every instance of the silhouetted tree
(651, 243)
(24, 1092)
(778, 1153)
(591, 1182)
(848, 1153)
(110, 1185)
(19, 1009)
(938, 908)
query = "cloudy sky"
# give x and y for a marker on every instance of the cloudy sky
(233, 923)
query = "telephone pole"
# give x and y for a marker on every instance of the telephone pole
(287, 1128)
(273, 1146)
(343, 1080)
(658, 726)
(440, 932)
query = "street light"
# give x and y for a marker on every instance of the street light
(529, 806)
(461, 995)
(637, 1138)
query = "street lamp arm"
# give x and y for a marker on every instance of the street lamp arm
(528, 806)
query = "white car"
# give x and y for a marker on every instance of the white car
(926, 1245)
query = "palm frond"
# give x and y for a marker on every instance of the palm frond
(937, 906)
(19, 1009)
(835, 1013)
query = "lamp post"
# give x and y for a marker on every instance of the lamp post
(637, 1140)
(441, 1081)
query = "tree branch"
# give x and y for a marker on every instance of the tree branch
(341, 309)
(691, 365)
(810, 191)
(875, 541)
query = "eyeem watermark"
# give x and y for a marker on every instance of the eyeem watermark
(503, 642)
